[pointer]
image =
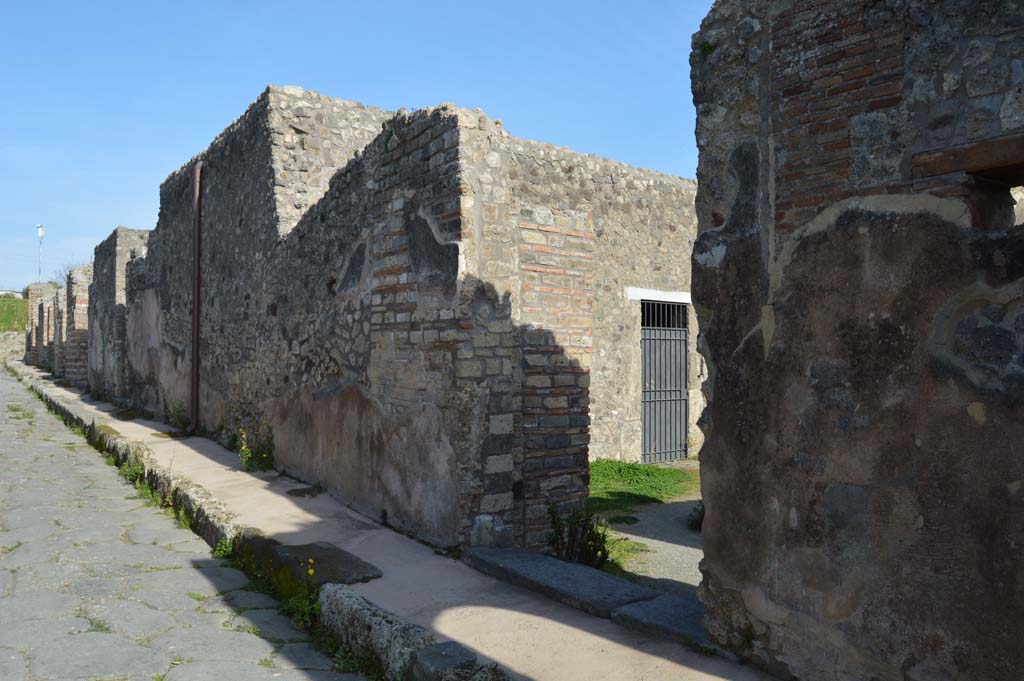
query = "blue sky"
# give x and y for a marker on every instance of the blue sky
(102, 100)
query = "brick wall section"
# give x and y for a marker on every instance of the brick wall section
(58, 321)
(556, 302)
(853, 95)
(564, 234)
(76, 349)
(826, 70)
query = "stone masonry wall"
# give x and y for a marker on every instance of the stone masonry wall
(564, 234)
(76, 348)
(40, 298)
(370, 321)
(863, 322)
(107, 299)
(260, 175)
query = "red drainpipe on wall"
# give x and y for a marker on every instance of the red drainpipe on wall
(197, 252)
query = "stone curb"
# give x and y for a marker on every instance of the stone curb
(405, 652)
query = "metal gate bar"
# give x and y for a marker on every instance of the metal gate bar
(663, 397)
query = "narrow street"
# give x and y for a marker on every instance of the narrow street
(94, 584)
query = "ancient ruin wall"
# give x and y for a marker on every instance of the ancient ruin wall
(76, 338)
(565, 234)
(334, 337)
(259, 177)
(379, 340)
(40, 298)
(864, 327)
(57, 333)
(373, 402)
(106, 305)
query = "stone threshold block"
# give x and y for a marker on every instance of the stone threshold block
(635, 607)
(576, 585)
(679, 618)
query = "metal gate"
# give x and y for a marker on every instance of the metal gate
(663, 399)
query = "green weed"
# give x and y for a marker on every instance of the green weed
(224, 550)
(257, 455)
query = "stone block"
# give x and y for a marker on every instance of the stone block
(430, 663)
(581, 587)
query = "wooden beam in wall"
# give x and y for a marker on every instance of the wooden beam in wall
(1000, 158)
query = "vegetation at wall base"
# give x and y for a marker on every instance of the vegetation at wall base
(257, 455)
(580, 538)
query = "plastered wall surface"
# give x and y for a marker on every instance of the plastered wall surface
(863, 323)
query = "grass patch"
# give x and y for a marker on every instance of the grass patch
(620, 552)
(13, 314)
(246, 629)
(4, 550)
(20, 413)
(616, 487)
(95, 623)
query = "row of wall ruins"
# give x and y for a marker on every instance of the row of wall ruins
(434, 320)
(57, 336)
(438, 321)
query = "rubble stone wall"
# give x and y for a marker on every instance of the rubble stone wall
(864, 327)
(12, 344)
(107, 299)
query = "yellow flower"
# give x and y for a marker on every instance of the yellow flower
(310, 561)
(310, 571)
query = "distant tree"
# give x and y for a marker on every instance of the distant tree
(60, 275)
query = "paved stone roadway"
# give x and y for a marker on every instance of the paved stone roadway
(95, 585)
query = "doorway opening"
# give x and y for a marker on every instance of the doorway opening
(664, 397)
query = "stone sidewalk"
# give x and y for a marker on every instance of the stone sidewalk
(531, 636)
(94, 584)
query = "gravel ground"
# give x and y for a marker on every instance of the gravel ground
(674, 550)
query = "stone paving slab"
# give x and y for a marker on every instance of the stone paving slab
(529, 634)
(94, 584)
(575, 585)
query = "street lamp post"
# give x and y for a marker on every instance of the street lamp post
(39, 231)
